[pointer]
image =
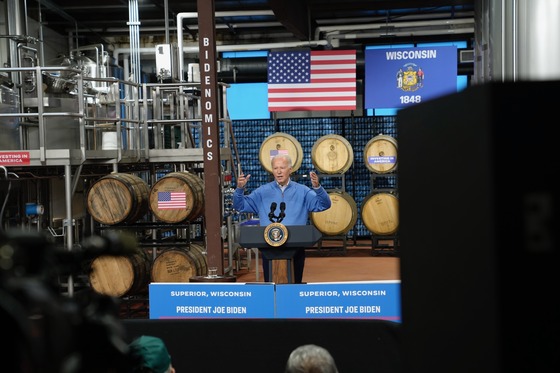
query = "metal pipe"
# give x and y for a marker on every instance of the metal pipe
(68, 227)
(392, 25)
(166, 16)
(182, 16)
(383, 33)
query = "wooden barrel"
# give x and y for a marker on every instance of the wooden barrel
(339, 218)
(119, 276)
(180, 264)
(380, 213)
(332, 154)
(177, 197)
(380, 154)
(280, 143)
(118, 198)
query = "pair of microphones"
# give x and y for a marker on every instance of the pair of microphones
(280, 216)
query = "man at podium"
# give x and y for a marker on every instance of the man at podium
(294, 200)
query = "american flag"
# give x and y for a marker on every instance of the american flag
(171, 200)
(312, 80)
(275, 152)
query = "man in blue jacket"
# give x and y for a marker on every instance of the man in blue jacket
(299, 201)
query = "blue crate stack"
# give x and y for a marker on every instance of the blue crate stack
(359, 180)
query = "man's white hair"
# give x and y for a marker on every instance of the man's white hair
(282, 156)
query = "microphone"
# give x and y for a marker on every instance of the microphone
(282, 215)
(271, 213)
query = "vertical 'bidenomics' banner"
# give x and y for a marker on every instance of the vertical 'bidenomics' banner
(397, 78)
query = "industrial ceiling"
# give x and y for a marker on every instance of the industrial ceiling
(343, 23)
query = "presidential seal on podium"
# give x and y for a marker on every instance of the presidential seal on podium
(276, 234)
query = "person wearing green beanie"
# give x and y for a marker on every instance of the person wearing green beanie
(149, 354)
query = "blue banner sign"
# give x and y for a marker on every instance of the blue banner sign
(211, 300)
(401, 77)
(341, 300)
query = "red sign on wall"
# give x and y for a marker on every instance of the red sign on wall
(14, 158)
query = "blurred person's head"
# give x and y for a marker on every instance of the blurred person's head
(149, 355)
(310, 358)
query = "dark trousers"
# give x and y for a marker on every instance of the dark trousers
(299, 263)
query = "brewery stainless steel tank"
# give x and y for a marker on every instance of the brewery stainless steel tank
(9, 103)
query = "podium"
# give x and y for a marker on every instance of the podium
(281, 267)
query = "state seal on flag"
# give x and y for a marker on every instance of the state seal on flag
(410, 77)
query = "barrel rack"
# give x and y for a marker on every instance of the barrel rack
(58, 148)
(336, 245)
(384, 244)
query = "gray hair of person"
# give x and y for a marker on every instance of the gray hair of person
(310, 358)
(282, 156)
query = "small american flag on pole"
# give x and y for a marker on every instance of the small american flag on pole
(172, 200)
(312, 80)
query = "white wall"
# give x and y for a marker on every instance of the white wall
(3, 31)
(53, 43)
(517, 40)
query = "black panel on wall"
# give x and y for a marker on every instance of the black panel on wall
(247, 346)
(479, 236)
